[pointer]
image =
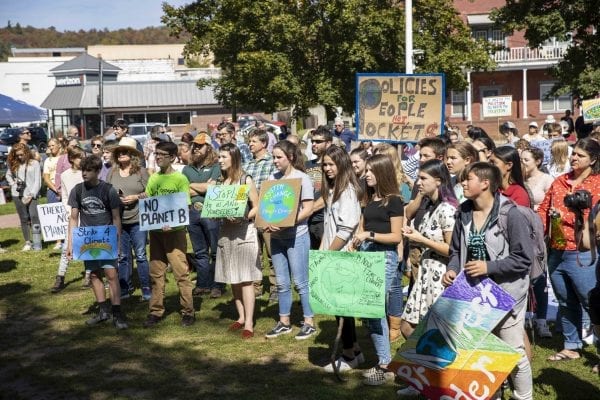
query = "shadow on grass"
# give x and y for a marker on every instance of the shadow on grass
(7, 265)
(566, 385)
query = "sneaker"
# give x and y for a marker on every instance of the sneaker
(188, 320)
(215, 293)
(57, 246)
(587, 335)
(151, 321)
(100, 317)
(541, 328)
(3, 250)
(408, 391)
(280, 329)
(198, 291)
(27, 247)
(342, 365)
(146, 294)
(119, 322)
(59, 284)
(306, 331)
(87, 282)
(377, 376)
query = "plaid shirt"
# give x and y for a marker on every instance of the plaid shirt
(260, 169)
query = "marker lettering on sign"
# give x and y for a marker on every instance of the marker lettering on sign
(151, 205)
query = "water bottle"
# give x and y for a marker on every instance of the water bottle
(37, 237)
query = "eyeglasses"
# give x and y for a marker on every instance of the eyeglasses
(197, 147)
(318, 141)
(161, 154)
(98, 145)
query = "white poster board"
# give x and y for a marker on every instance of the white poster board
(54, 221)
(497, 106)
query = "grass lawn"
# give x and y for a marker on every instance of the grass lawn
(47, 352)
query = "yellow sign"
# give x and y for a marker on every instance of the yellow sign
(399, 107)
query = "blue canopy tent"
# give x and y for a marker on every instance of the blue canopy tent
(14, 111)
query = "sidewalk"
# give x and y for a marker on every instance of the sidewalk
(9, 221)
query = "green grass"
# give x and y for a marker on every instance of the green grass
(46, 351)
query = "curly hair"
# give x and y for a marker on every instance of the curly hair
(14, 161)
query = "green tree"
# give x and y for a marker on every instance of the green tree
(277, 53)
(579, 72)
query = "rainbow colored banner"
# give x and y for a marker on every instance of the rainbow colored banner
(452, 353)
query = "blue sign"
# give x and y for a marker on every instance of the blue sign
(168, 210)
(95, 243)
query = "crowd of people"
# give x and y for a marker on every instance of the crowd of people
(434, 209)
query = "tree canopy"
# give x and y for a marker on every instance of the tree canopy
(277, 53)
(579, 72)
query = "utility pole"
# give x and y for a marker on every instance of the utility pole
(101, 93)
(408, 37)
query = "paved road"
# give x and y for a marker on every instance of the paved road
(9, 221)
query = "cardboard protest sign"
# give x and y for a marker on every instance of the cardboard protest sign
(350, 284)
(496, 106)
(591, 110)
(95, 243)
(399, 107)
(167, 210)
(54, 221)
(225, 201)
(452, 353)
(278, 203)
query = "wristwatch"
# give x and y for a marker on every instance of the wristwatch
(372, 236)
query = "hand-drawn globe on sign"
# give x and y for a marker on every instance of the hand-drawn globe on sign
(433, 343)
(97, 254)
(343, 283)
(278, 203)
(369, 93)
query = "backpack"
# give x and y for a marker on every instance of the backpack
(536, 232)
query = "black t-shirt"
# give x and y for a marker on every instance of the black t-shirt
(95, 203)
(377, 216)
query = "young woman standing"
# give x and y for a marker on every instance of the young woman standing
(458, 156)
(238, 261)
(290, 246)
(380, 229)
(506, 158)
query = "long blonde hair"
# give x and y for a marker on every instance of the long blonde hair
(559, 151)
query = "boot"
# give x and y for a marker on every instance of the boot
(394, 324)
(59, 284)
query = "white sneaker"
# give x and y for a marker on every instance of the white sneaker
(342, 365)
(408, 391)
(587, 335)
(57, 246)
(27, 247)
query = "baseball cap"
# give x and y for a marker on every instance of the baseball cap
(202, 138)
(534, 124)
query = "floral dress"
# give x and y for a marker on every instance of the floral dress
(428, 284)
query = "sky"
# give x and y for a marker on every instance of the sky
(74, 15)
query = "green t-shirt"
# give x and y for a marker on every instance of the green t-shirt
(201, 175)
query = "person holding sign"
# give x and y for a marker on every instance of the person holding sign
(340, 192)
(380, 229)
(290, 246)
(96, 203)
(168, 245)
(481, 248)
(238, 261)
(129, 178)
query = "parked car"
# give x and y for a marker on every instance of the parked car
(39, 137)
(141, 131)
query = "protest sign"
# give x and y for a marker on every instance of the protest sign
(350, 284)
(95, 242)
(278, 203)
(167, 210)
(591, 110)
(54, 221)
(496, 106)
(225, 201)
(452, 353)
(546, 146)
(399, 107)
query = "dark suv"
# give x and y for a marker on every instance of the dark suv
(39, 137)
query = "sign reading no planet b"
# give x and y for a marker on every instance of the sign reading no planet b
(225, 201)
(95, 243)
(349, 284)
(399, 107)
(54, 221)
(278, 203)
(167, 210)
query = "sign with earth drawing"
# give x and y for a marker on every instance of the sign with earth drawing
(278, 203)
(95, 243)
(348, 284)
(399, 107)
(591, 110)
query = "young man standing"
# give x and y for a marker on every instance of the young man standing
(169, 245)
(96, 203)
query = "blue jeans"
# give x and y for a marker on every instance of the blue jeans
(378, 327)
(571, 283)
(204, 234)
(290, 257)
(52, 196)
(132, 237)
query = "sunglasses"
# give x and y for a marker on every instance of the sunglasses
(318, 141)
(98, 145)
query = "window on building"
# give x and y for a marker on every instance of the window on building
(135, 118)
(157, 118)
(457, 103)
(549, 104)
(496, 36)
(181, 61)
(179, 118)
(25, 87)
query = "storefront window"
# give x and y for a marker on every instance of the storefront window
(179, 118)
(157, 118)
(135, 118)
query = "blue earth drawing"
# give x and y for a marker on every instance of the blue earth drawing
(369, 93)
(433, 343)
(277, 203)
(96, 254)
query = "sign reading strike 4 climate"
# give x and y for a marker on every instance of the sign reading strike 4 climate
(278, 203)
(452, 354)
(399, 107)
(95, 243)
(168, 210)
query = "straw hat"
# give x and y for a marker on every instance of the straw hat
(126, 143)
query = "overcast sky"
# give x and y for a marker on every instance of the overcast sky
(84, 14)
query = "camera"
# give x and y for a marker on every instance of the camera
(578, 201)
(20, 185)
